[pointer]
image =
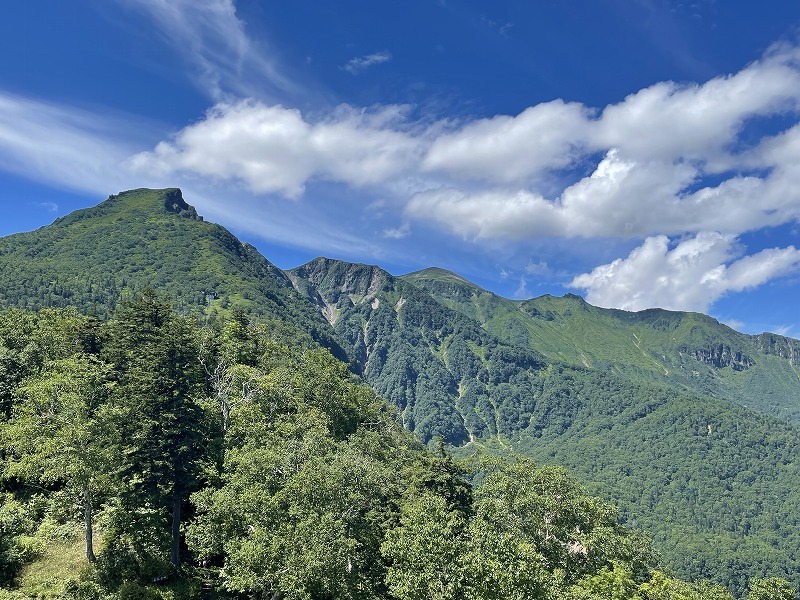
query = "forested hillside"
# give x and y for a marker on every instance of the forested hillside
(177, 445)
(688, 351)
(203, 416)
(691, 470)
(153, 239)
(444, 373)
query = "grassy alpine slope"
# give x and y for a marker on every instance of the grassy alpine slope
(141, 239)
(688, 351)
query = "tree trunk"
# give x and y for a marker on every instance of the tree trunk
(176, 531)
(87, 519)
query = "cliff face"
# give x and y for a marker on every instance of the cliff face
(174, 202)
(721, 356)
(778, 345)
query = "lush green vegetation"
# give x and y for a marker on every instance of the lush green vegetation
(152, 239)
(690, 352)
(692, 470)
(228, 458)
(448, 377)
(261, 437)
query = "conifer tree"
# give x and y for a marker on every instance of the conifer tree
(155, 355)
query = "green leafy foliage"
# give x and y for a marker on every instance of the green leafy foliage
(261, 424)
(306, 485)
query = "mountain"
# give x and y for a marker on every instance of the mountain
(440, 368)
(645, 408)
(691, 352)
(141, 239)
(691, 468)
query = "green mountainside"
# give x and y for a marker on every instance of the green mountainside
(690, 468)
(141, 239)
(682, 422)
(447, 376)
(689, 351)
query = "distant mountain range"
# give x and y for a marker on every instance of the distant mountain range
(686, 424)
(689, 351)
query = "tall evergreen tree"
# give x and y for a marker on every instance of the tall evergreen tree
(155, 355)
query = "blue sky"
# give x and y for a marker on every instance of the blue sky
(637, 152)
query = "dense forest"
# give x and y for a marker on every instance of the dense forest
(221, 459)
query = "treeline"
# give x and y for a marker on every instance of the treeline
(238, 456)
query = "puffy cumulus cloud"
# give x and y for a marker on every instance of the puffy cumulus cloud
(620, 198)
(690, 276)
(487, 214)
(513, 149)
(668, 121)
(664, 122)
(658, 146)
(653, 161)
(273, 149)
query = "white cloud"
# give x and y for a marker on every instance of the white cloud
(486, 214)
(620, 198)
(397, 233)
(690, 276)
(735, 324)
(355, 65)
(513, 149)
(70, 147)
(273, 149)
(668, 121)
(657, 146)
(522, 291)
(648, 158)
(214, 40)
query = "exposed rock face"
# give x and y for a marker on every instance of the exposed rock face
(174, 202)
(720, 356)
(337, 282)
(778, 345)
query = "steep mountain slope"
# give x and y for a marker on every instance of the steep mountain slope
(687, 351)
(148, 238)
(447, 376)
(691, 469)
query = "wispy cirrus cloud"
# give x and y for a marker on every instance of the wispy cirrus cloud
(214, 41)
(65, 146)
(358, 64)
